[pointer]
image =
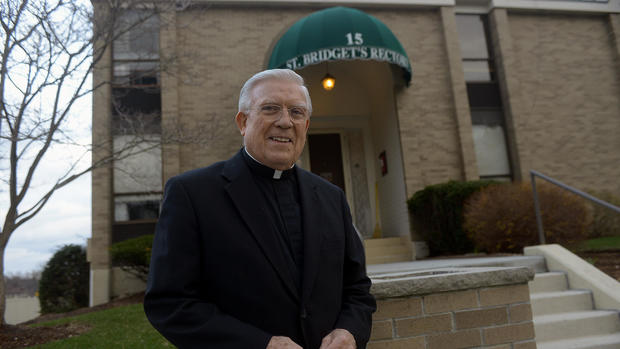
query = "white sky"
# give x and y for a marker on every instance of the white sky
(66, 218)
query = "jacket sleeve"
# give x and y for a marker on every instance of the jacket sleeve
(357, 302)
(174, 301)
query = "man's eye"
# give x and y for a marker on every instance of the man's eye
(270, 109)
(298, 112)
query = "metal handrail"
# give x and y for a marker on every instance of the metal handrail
(534, 174)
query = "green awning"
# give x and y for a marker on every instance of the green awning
(338, 33)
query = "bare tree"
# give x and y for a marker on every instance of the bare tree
(48, 51)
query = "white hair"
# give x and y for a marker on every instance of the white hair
(245, 96)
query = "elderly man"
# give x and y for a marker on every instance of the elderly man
(254, 252)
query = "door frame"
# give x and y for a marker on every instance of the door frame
(346, 163)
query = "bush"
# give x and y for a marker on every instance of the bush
(133, 255)
(437, 215)
(605, 222)
(64, 281)
(501, 218)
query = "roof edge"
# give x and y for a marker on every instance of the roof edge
(575, 6)
(328, 3)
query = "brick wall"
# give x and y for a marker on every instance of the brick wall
(427, 120)
(566, 77)
(489, 317)
(219, 48)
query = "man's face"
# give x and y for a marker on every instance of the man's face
(276, 139)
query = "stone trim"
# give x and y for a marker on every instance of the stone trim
(432, 281)
(459, 95)
(509, 86)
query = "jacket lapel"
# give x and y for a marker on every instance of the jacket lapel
(311, 214)
(242, 190)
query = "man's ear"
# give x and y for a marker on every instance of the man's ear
(241, 120)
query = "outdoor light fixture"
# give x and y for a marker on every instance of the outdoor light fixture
(329, 82)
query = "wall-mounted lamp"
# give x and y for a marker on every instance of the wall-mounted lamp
(329, 82)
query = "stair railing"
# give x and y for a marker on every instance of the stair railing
(534, 174)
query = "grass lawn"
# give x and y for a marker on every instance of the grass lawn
(120, 327)
(600, 244)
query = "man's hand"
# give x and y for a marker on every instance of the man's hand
(338, 339)
(279, 342)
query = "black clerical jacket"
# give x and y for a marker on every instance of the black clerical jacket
(219, 277)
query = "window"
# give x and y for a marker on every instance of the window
(136, 110)
(134, 215)
(489, 143)
(477, 63)
(133, 207)
(138, 168)
(136, 92)
(484, 98)
(137, 74)
(136, 125)
(138, 36)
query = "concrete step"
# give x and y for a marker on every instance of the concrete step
(548, 282)
(388, 250)
(393, 249)
(576, 324)
(546, 303)
(400, 240)
(609, 341)
(389, 259)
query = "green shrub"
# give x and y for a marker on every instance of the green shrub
(133, 255)
(501, 218)
(64, 281)
(437, 215)
(605, 222)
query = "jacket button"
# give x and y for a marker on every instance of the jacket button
(303, 314)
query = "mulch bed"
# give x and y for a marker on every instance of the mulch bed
(22, 335)
(608, 261)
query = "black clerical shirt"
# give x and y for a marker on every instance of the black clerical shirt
(281, 194)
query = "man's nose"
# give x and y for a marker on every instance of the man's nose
(285, 120)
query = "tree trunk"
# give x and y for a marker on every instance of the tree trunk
(2, 288)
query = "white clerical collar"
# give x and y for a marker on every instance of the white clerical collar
(276, 173)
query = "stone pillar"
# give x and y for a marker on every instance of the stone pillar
(170, 150)
(102, 196)
(459, 94)
(501, 44)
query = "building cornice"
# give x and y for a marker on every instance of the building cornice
(327, 3)
(594, 6)
(474, 6)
